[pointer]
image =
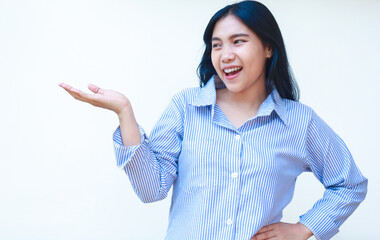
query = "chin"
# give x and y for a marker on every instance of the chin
(233, 89)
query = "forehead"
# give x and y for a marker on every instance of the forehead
(230, 25)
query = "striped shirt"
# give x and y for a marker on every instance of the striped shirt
(228, 183)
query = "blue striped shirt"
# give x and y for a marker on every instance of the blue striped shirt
(228, 183)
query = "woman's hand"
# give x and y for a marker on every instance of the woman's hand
(283, 231)
(115, 102)
(102, 98)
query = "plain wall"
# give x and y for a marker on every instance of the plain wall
(58, 175)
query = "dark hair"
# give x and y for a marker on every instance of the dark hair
(260, 20)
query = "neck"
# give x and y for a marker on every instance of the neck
(250, 98)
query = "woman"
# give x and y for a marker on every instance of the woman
(233, 148)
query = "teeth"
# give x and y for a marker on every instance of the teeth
(229, 70)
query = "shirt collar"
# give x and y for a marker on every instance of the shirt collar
(207, 94)
(274, 102)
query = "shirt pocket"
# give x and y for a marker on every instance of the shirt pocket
(199, 165)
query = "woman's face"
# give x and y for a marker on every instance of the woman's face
(238, 55)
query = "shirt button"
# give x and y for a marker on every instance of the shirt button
(234, 175)
(237, 137)
(229, 221)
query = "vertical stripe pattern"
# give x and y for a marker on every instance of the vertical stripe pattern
(228, 183)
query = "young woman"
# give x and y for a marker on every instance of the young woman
(233, 148)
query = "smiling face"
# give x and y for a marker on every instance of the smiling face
(238, 56)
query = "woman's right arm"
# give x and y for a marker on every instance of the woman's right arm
(150, 165)
(114, 101)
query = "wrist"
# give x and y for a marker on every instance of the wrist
(306, 233)
(125, 112)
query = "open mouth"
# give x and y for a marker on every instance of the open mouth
(232, 71)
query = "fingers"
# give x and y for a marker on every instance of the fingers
(99, 97)
(270, 235)
(65, 86)
(72, 91)
(267, 228)
(283, 231)
(264, 235)
(266, 232)
(79, 95)
(69, 88)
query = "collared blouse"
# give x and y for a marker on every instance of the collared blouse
(229, 182)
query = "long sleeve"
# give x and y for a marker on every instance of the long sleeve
(331, 162)
(152, 165)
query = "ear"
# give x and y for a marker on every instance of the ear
(268, 51)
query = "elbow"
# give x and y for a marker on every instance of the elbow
(364, 187)
(146, 199)
(359, 191)
(150, 198)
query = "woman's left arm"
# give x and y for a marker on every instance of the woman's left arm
(332, 163)
(345, 187)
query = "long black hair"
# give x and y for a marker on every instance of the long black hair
(260, 20)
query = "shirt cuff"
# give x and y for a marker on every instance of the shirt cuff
(125, 153)
(322, 229)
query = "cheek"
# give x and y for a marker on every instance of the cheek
(256, 61)
(214, 60)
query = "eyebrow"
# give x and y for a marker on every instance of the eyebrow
(231, 37)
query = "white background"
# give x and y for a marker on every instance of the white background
(58, 176)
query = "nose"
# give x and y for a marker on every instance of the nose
(227, 55)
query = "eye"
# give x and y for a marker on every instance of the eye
(237, 41)
(216, 45)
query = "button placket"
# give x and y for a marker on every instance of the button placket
(234, 174)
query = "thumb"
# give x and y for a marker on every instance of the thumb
(93, 88)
